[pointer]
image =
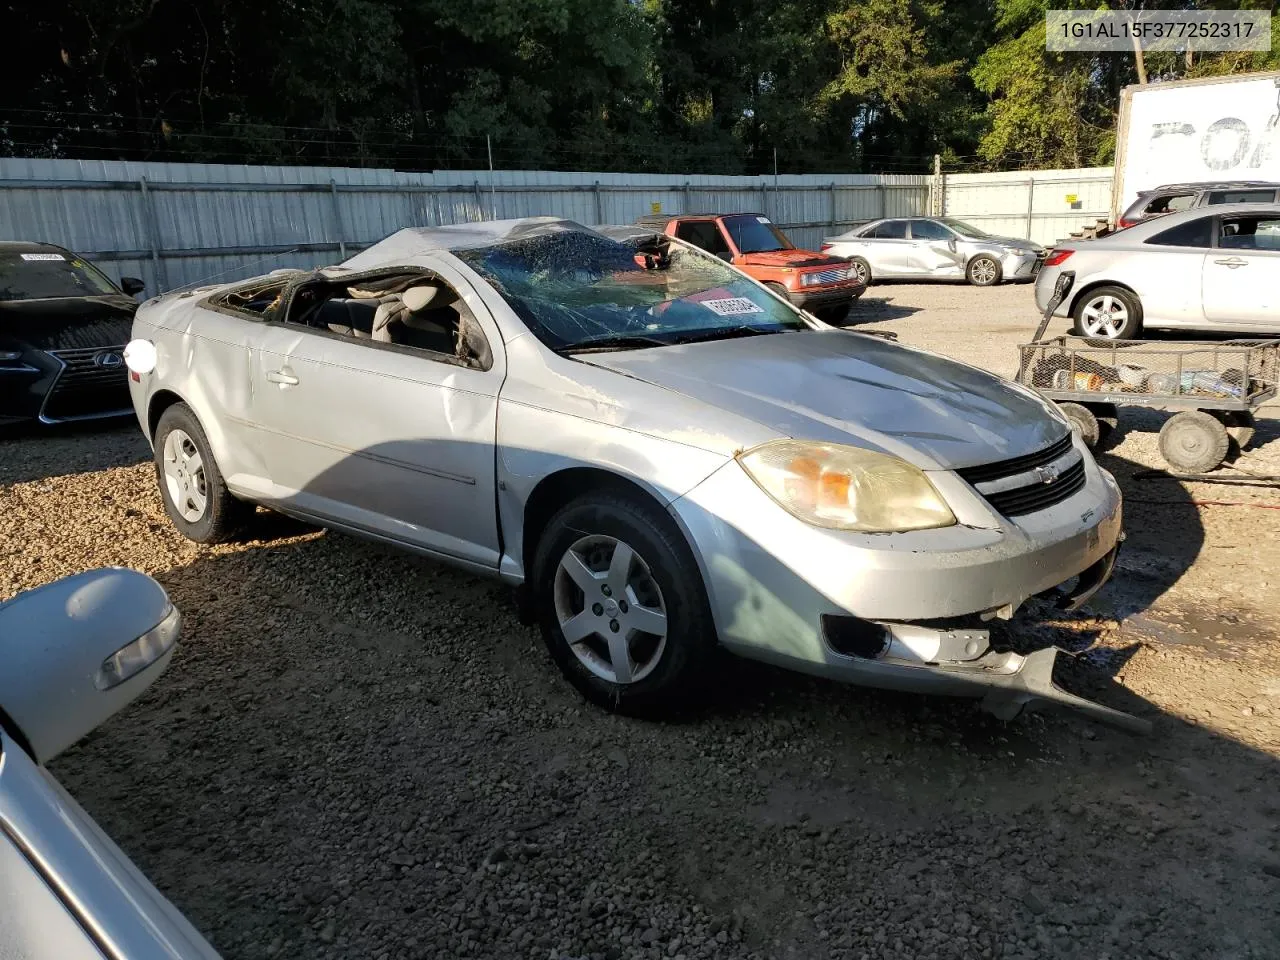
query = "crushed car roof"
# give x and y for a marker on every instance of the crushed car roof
(403, 245)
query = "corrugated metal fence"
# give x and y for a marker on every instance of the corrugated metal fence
(1041, 205)
(174, 224)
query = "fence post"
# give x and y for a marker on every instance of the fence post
(153, 235)
(686, 198)
(938, 203)
(1031, 200)
(337, 219)
(479, 200)
(833, 207)
(884, 200)
(599, 207)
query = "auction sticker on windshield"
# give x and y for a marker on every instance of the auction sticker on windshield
(732, 306)
(43, 256)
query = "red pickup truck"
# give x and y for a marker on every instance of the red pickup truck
(823, 285)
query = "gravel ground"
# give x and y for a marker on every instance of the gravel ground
(357, 753)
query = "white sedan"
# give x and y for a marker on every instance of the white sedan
(1215, 269)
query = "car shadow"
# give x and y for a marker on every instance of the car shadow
(35, 452)
(349, 733)
(873, 309)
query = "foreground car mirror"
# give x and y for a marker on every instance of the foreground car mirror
(77, 650)
(132, 285)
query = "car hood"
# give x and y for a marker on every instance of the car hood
(789, 258)
(67, 323)
(842, 387)
(1017, 243)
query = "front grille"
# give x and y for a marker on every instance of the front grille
(1009, 468)
(87, 388)
(1037, 494)
(834, 275)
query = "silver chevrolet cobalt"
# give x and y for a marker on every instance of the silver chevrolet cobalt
(657, 451)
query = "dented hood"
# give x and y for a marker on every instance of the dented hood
(841, 387)
(789, 258)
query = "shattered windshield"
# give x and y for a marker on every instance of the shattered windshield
(753, 234)
(38, 275)
(965, 229)
(580, 289)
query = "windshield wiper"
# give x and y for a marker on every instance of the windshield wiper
(726, 333)
(620, 342)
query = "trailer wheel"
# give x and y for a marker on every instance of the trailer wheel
(1082, 422)
(1108, 417)
(1240, 427)
(1194, 442)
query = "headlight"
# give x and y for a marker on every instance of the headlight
(809, 279)
(846, 488)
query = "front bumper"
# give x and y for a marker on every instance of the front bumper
(1021, 266)
(809, 298)
(776, 584)
(61, 386)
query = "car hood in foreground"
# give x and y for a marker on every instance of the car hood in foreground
(840, 387)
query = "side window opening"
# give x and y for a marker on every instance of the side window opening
(417, 311)
(1170, 203)
(260, 299)
(1242, 196)
(891, 230)
(929, 230)
(1250, 233)
(1194, 233)
(702, 233)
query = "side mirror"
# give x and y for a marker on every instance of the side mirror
(132, 285)
(726, 256)
(79, 649)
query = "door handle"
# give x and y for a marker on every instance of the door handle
(282, 376)
(1233, 262)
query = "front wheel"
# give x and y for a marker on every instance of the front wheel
(861, 270)
(194, 492)
(1108, 313)
(621, 604)
(983, 271)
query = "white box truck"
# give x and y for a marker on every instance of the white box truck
(1192, 131)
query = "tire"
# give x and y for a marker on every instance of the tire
(983, 271)
(1108, 417)
(779, 289)
(1108, 313)
(1194, 442)
(1240, 427)
(1082, 422)
(861, 270)
(201, 508)
(575, 554)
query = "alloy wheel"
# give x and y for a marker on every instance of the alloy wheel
(184, 476)
(1104, 317)
(610, 609)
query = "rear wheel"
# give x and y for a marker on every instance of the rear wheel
(1108, 313)
(1194, 442)
(861, 270)
(1240, 427)
(621, 604)
(194, 492)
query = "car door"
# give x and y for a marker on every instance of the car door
(1166, 273)
(387, 439)
(1242, 272)
(886, 248)
(933, 250)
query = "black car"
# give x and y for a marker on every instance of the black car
(63, 330)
